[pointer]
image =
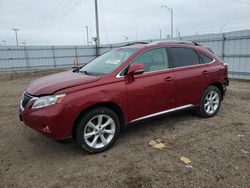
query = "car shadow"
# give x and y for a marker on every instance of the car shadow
(70, 148)
(166, 121)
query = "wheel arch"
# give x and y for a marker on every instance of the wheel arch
(113, 106)
(220, 87)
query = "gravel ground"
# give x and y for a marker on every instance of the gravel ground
(219, 148)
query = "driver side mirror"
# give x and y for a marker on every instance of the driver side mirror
(136, 69)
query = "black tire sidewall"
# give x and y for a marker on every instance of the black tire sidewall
(202, 111)
(85, 119)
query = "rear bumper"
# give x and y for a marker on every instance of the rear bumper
(55, 121)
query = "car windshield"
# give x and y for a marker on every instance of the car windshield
(107, 62)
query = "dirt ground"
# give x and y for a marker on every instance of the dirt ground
(219, 148)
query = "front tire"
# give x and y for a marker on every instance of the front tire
(98, 129)
(210, 102)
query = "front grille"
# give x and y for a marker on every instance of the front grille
(25, 100)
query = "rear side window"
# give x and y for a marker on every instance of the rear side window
(184, 57)
(204, 58)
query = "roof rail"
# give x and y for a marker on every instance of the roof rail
(133, 43)
(175, 42)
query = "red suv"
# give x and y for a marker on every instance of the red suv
(93, 103)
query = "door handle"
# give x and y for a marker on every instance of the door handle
(168, 79)
(204, 73)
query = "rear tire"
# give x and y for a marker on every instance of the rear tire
(98, 129)
(210, 102)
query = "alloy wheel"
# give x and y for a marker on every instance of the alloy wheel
(211, 103)
(99, 131)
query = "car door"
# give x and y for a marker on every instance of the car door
(152, 91)
(191, 76)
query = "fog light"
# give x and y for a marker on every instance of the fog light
(46, 129)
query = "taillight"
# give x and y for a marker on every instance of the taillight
(225, 64)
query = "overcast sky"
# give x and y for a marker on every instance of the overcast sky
(62, 22)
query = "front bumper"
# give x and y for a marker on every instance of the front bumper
(54, 121)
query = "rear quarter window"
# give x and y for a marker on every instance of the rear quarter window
(184, 57)
(205, 58)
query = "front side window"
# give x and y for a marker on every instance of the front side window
(153, 60)
(107, 62)
(184, 57)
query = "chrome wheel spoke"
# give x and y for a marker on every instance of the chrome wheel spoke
(100, 119)
(216, 102)
(206, 104)
(210, 95)
(215, 96)
(88, 135)
(91, 125)
(212, 108)
(208, 108)
(104, 141)
(110, 132)
(93, 143)
(108, 122)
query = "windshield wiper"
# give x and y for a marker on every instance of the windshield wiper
(88, 73)
(85, 72)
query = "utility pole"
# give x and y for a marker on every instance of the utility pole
(222, 27)
(87, 30)
(14, 29)
(160, 33)
(97, 24)
(172, 18)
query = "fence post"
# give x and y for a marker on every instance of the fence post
(97, 50)
(223, 46)
(54, 57)
(26, 57)
(76, 56)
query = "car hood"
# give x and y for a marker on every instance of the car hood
(55, 82)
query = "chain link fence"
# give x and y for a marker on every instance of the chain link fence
(232, 47)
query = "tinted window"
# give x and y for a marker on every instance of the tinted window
(153, 60)
(184, 57)
(204, 58)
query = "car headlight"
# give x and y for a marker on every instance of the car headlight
(47, 101)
